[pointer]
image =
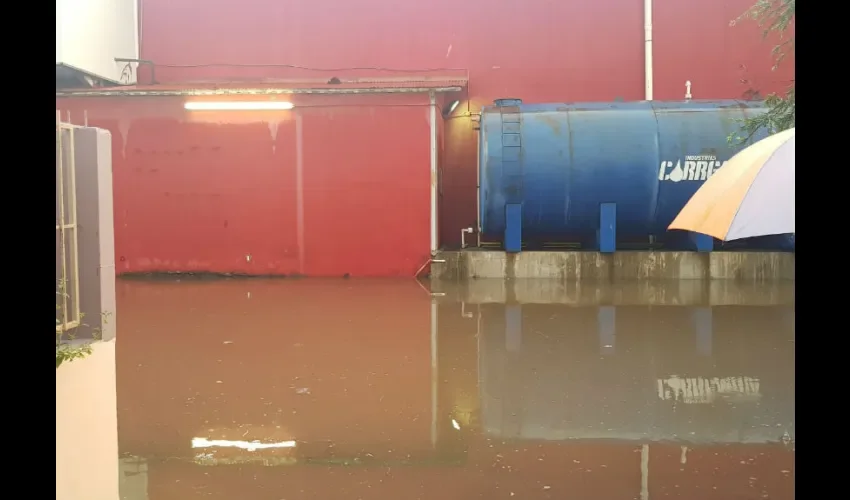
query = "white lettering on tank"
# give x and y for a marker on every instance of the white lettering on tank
(695, 168)
(677, 173)
(702, 171)
(690, 166)
(716, 165)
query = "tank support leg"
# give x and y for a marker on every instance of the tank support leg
(703, 242)
(704, 327)
(607, 233)
(607, 328)
(513, 327)
(513, 227)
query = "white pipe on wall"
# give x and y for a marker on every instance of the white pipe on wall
(478, 187)
(435, 375)
(647, 48)
(463, 233)
(433, 120)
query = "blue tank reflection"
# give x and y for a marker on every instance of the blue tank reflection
(721, 374)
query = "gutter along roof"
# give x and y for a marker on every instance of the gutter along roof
(280, 88)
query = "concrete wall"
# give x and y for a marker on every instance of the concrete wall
(86, 411)
(572, 266)
(96, 242)
(93, 152)
(87, 427)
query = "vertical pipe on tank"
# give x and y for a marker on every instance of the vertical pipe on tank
(433, 120)
(647, 48)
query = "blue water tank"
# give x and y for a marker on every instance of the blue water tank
(561, 161)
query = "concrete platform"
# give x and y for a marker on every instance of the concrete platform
(580, 266)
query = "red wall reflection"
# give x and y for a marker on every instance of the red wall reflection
(317, 361)
(722, 472)
(527, 470)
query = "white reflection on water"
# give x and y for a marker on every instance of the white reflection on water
(245, 445)
(699, 390)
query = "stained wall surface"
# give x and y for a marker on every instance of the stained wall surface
(339, 186)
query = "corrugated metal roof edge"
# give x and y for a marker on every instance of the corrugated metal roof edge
(282, 88)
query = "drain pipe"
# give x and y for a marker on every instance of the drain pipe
(435, 375)
(478, 186)
(434, 187)
(463, 233)
(647, 48)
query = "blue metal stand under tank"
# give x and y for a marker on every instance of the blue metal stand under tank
(607, 232)
(513, 227)
(702, 242)
(605, 176)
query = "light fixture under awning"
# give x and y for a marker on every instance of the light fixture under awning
(238, 105)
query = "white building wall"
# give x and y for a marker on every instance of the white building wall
(90, 34)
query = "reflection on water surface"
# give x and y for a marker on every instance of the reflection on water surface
(313, 389)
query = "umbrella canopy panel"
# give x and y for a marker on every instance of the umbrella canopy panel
(753, 195)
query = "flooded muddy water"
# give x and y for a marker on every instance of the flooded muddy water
(398, 390)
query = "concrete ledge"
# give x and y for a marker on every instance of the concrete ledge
(580, 266)
(634, 293)
(87, 427)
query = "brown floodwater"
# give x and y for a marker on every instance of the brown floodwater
(254, 389)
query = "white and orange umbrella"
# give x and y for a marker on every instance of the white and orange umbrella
(752, 195)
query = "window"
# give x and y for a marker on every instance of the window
(67, 265)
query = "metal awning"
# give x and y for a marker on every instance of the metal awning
(359, 86)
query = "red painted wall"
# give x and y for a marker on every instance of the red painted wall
(201, 191)
(538, 50)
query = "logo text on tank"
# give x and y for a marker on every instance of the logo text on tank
(692, 168)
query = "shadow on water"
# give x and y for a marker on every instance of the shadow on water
(378, 390)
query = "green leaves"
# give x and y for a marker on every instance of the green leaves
(70, 353)
(774, 17)
(64, 350)
(779, 117)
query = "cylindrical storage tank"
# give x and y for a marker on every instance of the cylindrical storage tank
(560, 161)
